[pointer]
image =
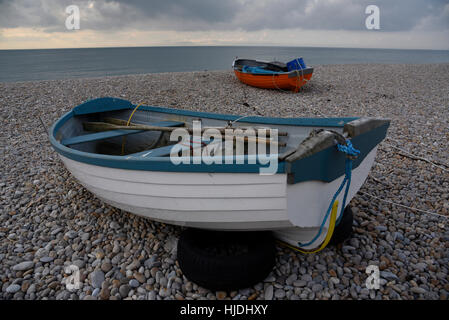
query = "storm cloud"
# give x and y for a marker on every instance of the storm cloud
(246, 15)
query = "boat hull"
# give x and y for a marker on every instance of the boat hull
(283, 81)
(221, 201)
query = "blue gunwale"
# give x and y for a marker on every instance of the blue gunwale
(111, 104)
(164, 163)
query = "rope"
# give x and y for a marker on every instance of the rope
(351, 153)
(348, 149)
(297, 82)
(191, 142)
(127, 124)
(274, 82)
(238, 119)
(417, 157)
(297, 86)
(231, 123)
(401, 205)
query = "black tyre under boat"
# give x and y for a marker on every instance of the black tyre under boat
(226, 260)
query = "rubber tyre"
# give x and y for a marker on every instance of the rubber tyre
(226, 260)
(343, 230)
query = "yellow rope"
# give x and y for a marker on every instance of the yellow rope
(127, 124)
(330, 231)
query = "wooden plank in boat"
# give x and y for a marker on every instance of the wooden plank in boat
(164, 151)
(113, 133)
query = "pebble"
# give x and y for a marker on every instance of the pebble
(25, 265)
(300, 283)
(221, 295)
(106, 266)
(114, 225)
(152, 295)
(104, 294)
(418, 290)
(46, 259)
(279, 294)
(13, 288)
(317, 287)
(388, 275)
(269, 293)
(140, 277)
(79, 263)
(97, 278)
(270, 279)
(164, 292)
(124, 290)
(135, 264)
(134, 283)
(289, 281)
(71, 234)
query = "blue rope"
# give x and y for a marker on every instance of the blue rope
(350, 151)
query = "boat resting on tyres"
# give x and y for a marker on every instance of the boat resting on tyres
(271, 75)
(131, 169)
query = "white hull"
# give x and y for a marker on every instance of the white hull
(223, 201)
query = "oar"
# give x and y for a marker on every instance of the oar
(221, 129)
(103, 126)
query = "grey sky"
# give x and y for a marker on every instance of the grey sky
(182, 16)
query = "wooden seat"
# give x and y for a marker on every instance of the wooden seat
(114, 133)
(165, 151)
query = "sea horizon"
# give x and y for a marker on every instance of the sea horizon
(219, 45)
(67, 63)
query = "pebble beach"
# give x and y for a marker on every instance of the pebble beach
(48, 221)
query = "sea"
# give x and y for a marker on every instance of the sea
(51, 64)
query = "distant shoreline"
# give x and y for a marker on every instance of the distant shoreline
(118, 77)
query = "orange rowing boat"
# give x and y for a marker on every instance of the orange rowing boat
(272, 75)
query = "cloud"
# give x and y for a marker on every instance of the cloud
(107, 14)
(438, 21)
(280, 22)
(249, 15)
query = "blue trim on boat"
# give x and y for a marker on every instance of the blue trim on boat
(329, 164)
(113, 104)
(309, 122)
(102, 105)
(158, 163)
(97, 136)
